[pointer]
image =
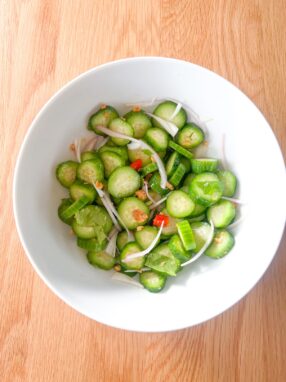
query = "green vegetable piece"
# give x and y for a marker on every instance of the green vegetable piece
(122, 240)
(66, 173)
(204, 165)
(152, 167)
(157, 138)
(188, 179)
(222, 213)
(144, 155)
(91, 244)
(123, 182)
(101, 259)
(65, 203)
(133, 212)
(79, 189)
(139, 121)
(206, 189)
(102, 117)
(155, 182)
(91, 171)
(111, 161)
(88, 155)
(176, 247)
(121, 151)
(118, 125)
(74, 207)
(179, 204)
(190, 136)
(187, 154)
(187, 163)
(178, 175)
(186, 235)
(221, 245)
(166, 110)
(162, 260)
(153, 281)
(145, 236)
(229, 182)
(130, 248)
(201, 232)
(172, 163)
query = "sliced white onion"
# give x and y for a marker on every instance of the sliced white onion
(77, 148)
(145, 269)
(106, 202)
(203, 249)
(126, 279)
(100, 142)
(111, 246)
(90, 144)
(156, 204)
(233, 200)
(147, 250)
(147, 192)
(169, 126)
(144, 145)
(176, 111)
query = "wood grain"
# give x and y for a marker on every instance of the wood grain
(46, 43)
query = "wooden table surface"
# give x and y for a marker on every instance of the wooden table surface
(46, 43)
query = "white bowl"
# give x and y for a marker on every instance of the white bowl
(202, 290)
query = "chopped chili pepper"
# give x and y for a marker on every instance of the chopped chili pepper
(137, 164)
(159, 219)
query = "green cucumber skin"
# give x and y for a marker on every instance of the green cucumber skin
(153, 281)
(221, 245)
(176, 247)
(65, 203)
(222, 213)
(79, 189)
(101, 259)
(165, 110)
(172, 163)
(118, 125)
(229, 182)
(66, 173)
(205, 189)
(190, 136)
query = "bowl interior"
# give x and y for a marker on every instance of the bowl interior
(203, 289)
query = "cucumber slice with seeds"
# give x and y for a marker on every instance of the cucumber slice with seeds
(133, 212)
(139, 121)
(190, 136)
(229, 182)
(144, 155)
(204, 165)
(222, 243)
(179, 204)
(187, 154)
(186, 235)
(165, 110)
(153, 281)
(201, 232)
(91, 171)
(111, 161)
(157, 138)
(172, 163)
(206, 189)
(178, 250)
(122, 240)
(118, 125)
(102, 117)
(129, 249)
(66, 173)
(222, 213)
(146, 236)
(121, 151)
(123, 182)
(79, 189)
(101, 259)
(162, 260)
(178, 175)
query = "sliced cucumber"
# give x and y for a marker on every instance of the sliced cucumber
(91, 244)
(179, 204)
(139, 121)
(129, 249)
(118, 125)
(200, 165)
(165, 110)
(198, 210)
(146, 236)
(172, 163)
(88, 155)
(133, 212)
(79, 189)
(66, 173)
(190, 136)
(171, 228)
(122, 240)
(229, 182)
(153, 281)
(91, 171)
(111, 161)
(101, 259)
(155, 182)
(65, 203)
(188, 179)
(222, 243)
(74, 207)
(152, 167)
(187, 163)
(121, 151)
(187, 154)
(102, 117)
(178, 175)
(186, 235)
(157, 138)
(201, 231)
(144, 155)
(123, 182)
(162, 260)
(222, 213)
(176, 247)
(206, 189)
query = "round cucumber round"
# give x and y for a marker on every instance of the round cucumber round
(129, 249)
(200, 165)
(222, 213)
(206, 189)
(179, 204)
(111, 161)
(102, 117)
(229, 182)
(201, 232)
(157, 138)
(144, 155)
(133, 212)
(122, 240)
(190, 136)
(146, 236)
(101, 259)
(123, 182)
(78, 189)
(153, 281)
(91, 171)
(165, 110)
(139, 121)
(118, 125)
(222, 243)
(66, 173)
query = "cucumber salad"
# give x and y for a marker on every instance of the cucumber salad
(141, 202)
